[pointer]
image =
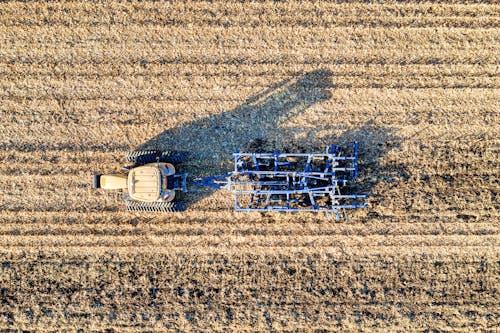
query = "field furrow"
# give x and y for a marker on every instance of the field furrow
(409, 53)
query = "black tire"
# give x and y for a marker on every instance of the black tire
(173, 156)
(142, 156)
(139, 157)
(155, 207)
(97, 181)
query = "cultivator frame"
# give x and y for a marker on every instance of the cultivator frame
(291, 182)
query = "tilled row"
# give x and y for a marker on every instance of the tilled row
(248, 230)
(269, 291)
(386, 54)
(252, 14)
(230, 241)
(241, 37)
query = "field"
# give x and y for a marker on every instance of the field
(416, 83)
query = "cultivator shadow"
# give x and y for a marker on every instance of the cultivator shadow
(291, 182)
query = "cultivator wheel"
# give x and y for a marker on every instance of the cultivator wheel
(139, 157)
(155, 207)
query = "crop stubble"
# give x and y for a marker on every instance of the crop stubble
(415, 83)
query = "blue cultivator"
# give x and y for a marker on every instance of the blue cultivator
(290, 182)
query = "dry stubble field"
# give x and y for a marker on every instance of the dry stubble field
(417, 84)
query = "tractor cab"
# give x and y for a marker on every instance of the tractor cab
(151, 182)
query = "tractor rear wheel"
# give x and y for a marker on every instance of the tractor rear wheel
(140, 157)
(155, 207)
(173, 156)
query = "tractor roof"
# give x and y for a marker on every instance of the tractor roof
(144, 183)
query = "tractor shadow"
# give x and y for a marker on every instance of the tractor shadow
(252, 126)
(257, 125)
(256, 122)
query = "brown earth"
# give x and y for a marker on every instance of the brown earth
(417, 84)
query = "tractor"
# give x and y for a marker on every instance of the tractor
(151, 182)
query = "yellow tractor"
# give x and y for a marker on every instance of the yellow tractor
(151, 182)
